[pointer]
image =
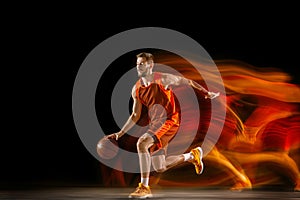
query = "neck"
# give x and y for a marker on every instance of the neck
(147, 79)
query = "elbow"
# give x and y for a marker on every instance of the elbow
(135, 117)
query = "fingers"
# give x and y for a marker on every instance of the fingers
(111, 136)
(213, 95)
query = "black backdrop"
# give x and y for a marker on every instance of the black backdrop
(43, 52)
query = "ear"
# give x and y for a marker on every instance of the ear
(151, 65)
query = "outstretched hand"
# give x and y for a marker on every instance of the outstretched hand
(212, 95)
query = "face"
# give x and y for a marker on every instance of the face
(142, 67)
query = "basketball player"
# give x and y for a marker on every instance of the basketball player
(154, 91)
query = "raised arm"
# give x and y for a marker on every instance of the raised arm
(133, 118)
(170, 79)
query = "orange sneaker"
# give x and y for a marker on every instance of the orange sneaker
(141, 192)
(197, 161)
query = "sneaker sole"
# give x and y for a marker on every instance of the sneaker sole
(143, 197)
(201, 155)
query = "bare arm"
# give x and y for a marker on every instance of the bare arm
(170, 79)
(133, 118)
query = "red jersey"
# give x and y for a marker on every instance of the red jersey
(162, 110)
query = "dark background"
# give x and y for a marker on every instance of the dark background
(43, 49)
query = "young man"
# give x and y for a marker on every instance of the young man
(153, 90)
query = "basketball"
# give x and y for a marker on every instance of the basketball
(107, 148)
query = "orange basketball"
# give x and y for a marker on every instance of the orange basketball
(107, 148)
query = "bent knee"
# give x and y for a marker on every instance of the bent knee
(160, 170)
(141, 144)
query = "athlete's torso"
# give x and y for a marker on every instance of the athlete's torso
(159, 101)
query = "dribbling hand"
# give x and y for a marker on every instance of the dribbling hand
(112, 136)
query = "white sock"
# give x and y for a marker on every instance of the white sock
(188, 156)
(145, 181)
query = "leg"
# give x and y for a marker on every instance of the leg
(143, 144)
(160, 163)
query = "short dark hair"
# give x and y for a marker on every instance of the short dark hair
(148, 56)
